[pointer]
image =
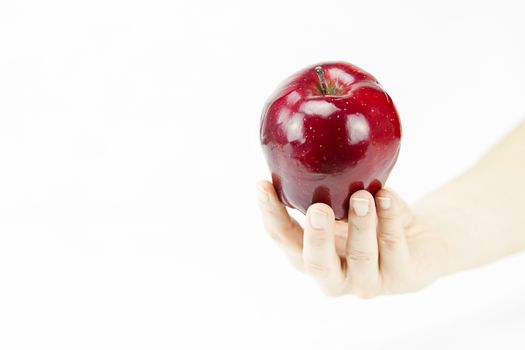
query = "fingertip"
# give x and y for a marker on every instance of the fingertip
(362, 194)
(321, 207)
(362, 203)
(384, 192)
(319, 216)
(383, 200)
(387, 202)
(264, 185)
(266, 193)
(387, 193)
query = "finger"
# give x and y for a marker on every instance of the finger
(362, 250)
(319, 252)
(393, 248)
(282, 228)
(341, 235)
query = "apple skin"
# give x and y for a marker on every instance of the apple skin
(322, 145)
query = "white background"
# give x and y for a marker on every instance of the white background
(129, 151)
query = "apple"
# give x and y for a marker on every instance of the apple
(328, 131)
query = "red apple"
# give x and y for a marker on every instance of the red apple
(327, 132)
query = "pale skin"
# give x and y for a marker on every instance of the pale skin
(387, 247)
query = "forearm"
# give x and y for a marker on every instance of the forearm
(481, 214)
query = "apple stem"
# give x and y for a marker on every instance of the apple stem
(320, 74)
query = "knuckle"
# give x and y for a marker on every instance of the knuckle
(360, 226)
(273, 233)
(361, 256)
(277, 238)
(278, 230)
(316, 269)
(354, 227)
(390, 239)
(288, 225)
(389, 215)
(317, 239)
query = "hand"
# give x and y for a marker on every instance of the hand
(382, 248)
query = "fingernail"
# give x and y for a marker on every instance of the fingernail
(262, 194)
(384, 202)
(360, 206)
(317, 219)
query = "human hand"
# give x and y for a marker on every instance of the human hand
(381, 249)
